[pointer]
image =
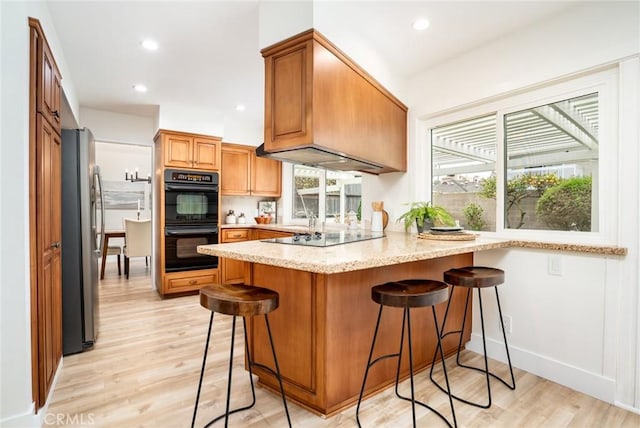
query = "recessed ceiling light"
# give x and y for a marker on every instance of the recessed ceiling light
(420, 24)
(139, 88)
(150, 45)
(241, 107)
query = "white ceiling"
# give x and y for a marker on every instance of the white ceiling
(209, 56)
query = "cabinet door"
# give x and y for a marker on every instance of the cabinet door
(288, 95)
(49, 91)
(49, 281)
(206, 154)
(236, 166)
(266, 177)
(232, 271)
(177, 151)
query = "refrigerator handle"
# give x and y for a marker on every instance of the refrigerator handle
(101, 194)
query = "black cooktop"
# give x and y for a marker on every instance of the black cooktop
(327, 239)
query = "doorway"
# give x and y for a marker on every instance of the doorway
(124, 195)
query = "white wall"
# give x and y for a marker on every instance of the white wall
(118, 128)
(185, 119)
(580, 329)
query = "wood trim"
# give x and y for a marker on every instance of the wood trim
(183, 134)
(35, 33)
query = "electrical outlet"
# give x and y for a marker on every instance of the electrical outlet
(508, 323)
(554, 264)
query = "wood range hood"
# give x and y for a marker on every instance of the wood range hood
(323, 110)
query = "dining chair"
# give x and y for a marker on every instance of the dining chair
(113, 250)
(137, 240)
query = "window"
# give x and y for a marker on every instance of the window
(463, 160)
(325, 194)
(525, 166)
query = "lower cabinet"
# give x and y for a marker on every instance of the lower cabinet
(232, 271)
(178, 282)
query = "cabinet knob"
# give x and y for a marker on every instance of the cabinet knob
(193, 282)
(56, 245)
(55, 113)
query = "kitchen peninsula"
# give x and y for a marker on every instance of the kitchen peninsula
(324, 324)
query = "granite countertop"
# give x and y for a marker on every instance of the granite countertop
(395, 247)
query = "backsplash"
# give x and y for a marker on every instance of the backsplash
(247, 205)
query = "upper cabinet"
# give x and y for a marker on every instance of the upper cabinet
(47, 78)
(245, 174)
(317, 98)
(184, 150)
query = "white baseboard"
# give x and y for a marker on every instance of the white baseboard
(593, 384)
(31, 419)
(28, 419)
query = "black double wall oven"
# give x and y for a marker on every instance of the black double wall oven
(190, 219)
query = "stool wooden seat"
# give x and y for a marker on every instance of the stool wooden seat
(407, 294)
(477, 277)
(474, 277)
(238, 299)
(245, 301)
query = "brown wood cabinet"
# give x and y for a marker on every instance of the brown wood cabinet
(245, 174)
(45, 199)
(324, 324)
(317, 96)
(232, 271)
(268, 234)
(175, 149)
(48, 77)
(180, 282)
(184, 150)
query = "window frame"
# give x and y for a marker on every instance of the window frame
(288, 197)
(605, 83)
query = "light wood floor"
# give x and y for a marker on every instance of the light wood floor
(143, 372)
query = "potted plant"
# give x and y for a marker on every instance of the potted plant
(425, 215)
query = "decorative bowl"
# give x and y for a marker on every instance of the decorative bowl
(263, 220)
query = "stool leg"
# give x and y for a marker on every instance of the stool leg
(253, 391)
(366, 371)
(486, 371)
(486, 360)
(233, 336)
(204, 362)
(275, 360)
(406, 320)
(119, 271)
(404, 317)
(506, 347)
(444, 369)
(413, 397)
(459, 332)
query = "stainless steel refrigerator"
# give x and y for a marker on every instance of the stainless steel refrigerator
(82, 231)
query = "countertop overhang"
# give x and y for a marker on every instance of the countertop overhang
(394, 248)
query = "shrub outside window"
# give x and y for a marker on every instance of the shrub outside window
(549, 178)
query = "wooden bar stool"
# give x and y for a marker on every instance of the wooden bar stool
(477, 277)
(407, 294)
(245, 301)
